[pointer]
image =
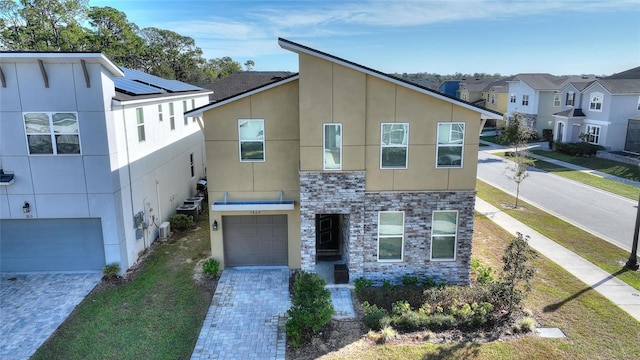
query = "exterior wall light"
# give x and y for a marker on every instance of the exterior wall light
(215, 225)
(26, 208)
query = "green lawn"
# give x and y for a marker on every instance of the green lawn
(600, 252)
(595, 328)
(616, 187)
(158, 315)
(627, 171)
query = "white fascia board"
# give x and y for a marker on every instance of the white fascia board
(200, 111)
(252, 207)
(297, 49)
(162, 98)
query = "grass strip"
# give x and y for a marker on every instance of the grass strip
(627, 171)
(612, 186)
(599, 252)
(158, 315)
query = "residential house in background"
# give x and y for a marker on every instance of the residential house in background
(342, 161)
(450, 87)
(239, 82)
(496, 95)
(94, 159)
(606, 111)
(537, 97)
(471, 90)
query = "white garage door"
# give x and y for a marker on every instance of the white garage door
(253, 240)
(51, 245)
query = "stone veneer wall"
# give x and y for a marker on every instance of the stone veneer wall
(418, 208)
(344, 193)
(332, 193)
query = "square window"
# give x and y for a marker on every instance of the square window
(251, 139)
(596, 101)
(390, 235)
(593, 134)
(332, 151)
(394, 143)
(52, 133)
(444, 230)
(450, 150)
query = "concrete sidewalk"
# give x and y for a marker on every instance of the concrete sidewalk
(621, 294)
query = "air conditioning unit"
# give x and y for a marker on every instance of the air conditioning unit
(165, 230)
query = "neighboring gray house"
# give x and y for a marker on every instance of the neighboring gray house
(239, 82)
(606, 110)
(537, 97)
(93, 159)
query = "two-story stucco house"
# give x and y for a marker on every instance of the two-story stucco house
(536, 96)
(496, 95)
(94, 157)
(343, 161)
(606, 111)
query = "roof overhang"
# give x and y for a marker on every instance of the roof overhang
(61, 58)
(297, 48)
(199, 111)
(259, 205)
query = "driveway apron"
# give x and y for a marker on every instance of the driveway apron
(32, 306)
(247, 315)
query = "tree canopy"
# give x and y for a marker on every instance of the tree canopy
(71, 25)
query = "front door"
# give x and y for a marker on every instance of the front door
(328, 237)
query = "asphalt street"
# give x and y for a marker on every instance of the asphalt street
(606, 215)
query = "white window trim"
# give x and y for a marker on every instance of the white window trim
(455, 239)
(597, 136)
(525, 98)
(599, 96)
(140, 124)
(184, 111)
(464, 127)
(172, 117)
(324, 150)
(513, 98)
(264, 142)
(160, 111)
(557, 100)
(493, 98)
(406, 160)
(403, 236)
(51, 133)
(571, 95)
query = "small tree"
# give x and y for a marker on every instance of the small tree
(311, 307)
(517, 272)
(517, 170)
(517, 132)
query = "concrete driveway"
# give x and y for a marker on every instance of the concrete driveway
(32, 306)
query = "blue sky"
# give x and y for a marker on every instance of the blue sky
(466, 36)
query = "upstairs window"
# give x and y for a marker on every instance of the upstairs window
(332, 146)
(394, 143)
(556, 100)
(595, 104)
(493, 98)
(512, 98)
(52, 133)
(450, 145)
(390, 235)
(160, 112)
(444, 235)
(571, 97)
(463, 96)
(172, 117)
(251, 136)
(140, 122)
(525, 100)
(184, 110)
(638, 108)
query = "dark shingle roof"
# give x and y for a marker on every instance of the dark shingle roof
(621, 86)
(571, 113)
(627, 74)
(240, 82)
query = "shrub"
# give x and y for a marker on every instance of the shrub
(582, 149)
(400, 307)
(181, 221)
(372, 315)
(311, 306)
(361, 283)
(483, 274)
(211, 267)
(429, 282)
(517, 272)
(410, 280)
(111, 271)
(527, 324)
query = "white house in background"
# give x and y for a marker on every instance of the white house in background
(94, 158)
(607, 110)
(536, 96)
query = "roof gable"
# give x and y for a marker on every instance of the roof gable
(298, 48)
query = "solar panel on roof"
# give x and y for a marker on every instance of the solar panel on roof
(134, 88)
(169, 85)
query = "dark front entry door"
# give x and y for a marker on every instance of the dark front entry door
(328, 236)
